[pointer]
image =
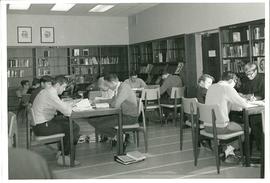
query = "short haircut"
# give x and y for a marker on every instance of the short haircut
(111, 77)
(61, 79)
(204, 76)
(133, 73)
(226, 76)
(46, 78)
(35, 81)
(250, 67)
(23, 82)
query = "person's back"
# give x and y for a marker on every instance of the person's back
(169, 82)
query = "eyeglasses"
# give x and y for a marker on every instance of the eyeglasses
(250, 73)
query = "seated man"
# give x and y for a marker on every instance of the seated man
(224, 95)
(45, 105)
(252, 88)
(204, 82)
(134, 81)
(106, 92)
(125, 99)
(45, 82)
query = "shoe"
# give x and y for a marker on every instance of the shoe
(67, 161)
(232, 159)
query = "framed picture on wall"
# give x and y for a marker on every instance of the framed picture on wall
(24, 34)
(47, 34)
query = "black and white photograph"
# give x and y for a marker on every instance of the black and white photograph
(140, 90)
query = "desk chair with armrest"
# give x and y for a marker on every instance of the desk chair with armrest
(33, 140)
(206, 113)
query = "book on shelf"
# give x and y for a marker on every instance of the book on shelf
(130, 157)
(85, 52)
(236, 37)
(261, 64)
(258, 49)
(75, 52)
(247, 34)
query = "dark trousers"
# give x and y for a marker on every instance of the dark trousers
(105, 124)
(59, 124)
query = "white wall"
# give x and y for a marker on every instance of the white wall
(70, 30)
(173, 19)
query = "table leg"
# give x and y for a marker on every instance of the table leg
(71, 143)
(246, 131)
(120, 150)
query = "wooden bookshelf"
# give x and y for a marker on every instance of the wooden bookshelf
(150, 58)
(240, 44)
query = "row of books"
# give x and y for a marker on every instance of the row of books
(83, 52)
(258, 49)
(109, 60)
(15, 73)
(43, 62)
(258, 32)
(236, 36)
(44, 71)
(18, 63)
(234, 66)
(84, 70)
(146, 69)
(235, 51)
(84, 61)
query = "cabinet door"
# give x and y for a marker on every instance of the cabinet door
(210, 52)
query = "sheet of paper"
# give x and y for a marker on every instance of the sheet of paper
(102, 105)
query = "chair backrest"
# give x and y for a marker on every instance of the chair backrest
(206, 113)
(150, 94)
(263, 120)
(12, 130)
(177, 92)
(189, 105)
(29, 123)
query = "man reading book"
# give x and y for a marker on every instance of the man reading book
(125, 99)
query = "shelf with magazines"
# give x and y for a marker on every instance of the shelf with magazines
(240, 44)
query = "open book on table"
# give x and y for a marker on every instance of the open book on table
(130, 157)
(82, 105)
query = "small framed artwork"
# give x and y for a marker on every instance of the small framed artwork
(47, 34)
(24, 34)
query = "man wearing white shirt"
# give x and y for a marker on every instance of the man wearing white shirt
(225, 96)
(45, 107)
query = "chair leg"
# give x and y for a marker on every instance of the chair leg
(138, 137)
(62, 150)
(181, 134)
(145, 141)
(134, 137)
(174, 116)
(241, 148)
(160, 115)
(216, 155)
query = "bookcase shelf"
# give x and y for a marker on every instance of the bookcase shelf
(240, 44)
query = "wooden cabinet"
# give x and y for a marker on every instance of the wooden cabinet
(240, 44)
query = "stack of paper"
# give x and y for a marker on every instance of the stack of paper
(102, 105)
(130, 157)
(82, 105)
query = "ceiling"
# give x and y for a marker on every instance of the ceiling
(119, 10)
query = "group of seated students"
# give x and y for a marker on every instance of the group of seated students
(224, 94)
(46, 102)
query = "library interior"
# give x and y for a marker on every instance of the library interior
(135, 90)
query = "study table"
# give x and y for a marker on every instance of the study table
(96, 113)
(246, 113)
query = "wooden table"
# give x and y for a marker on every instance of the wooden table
(96, 113)
(246, 113)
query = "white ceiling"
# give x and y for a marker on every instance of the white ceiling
(119, 10)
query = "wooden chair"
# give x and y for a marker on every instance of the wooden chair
(136, 128)
(262, 150)
(206, 113)
(33, 140)
(12, 130)
(151, 98)
(176, 94)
